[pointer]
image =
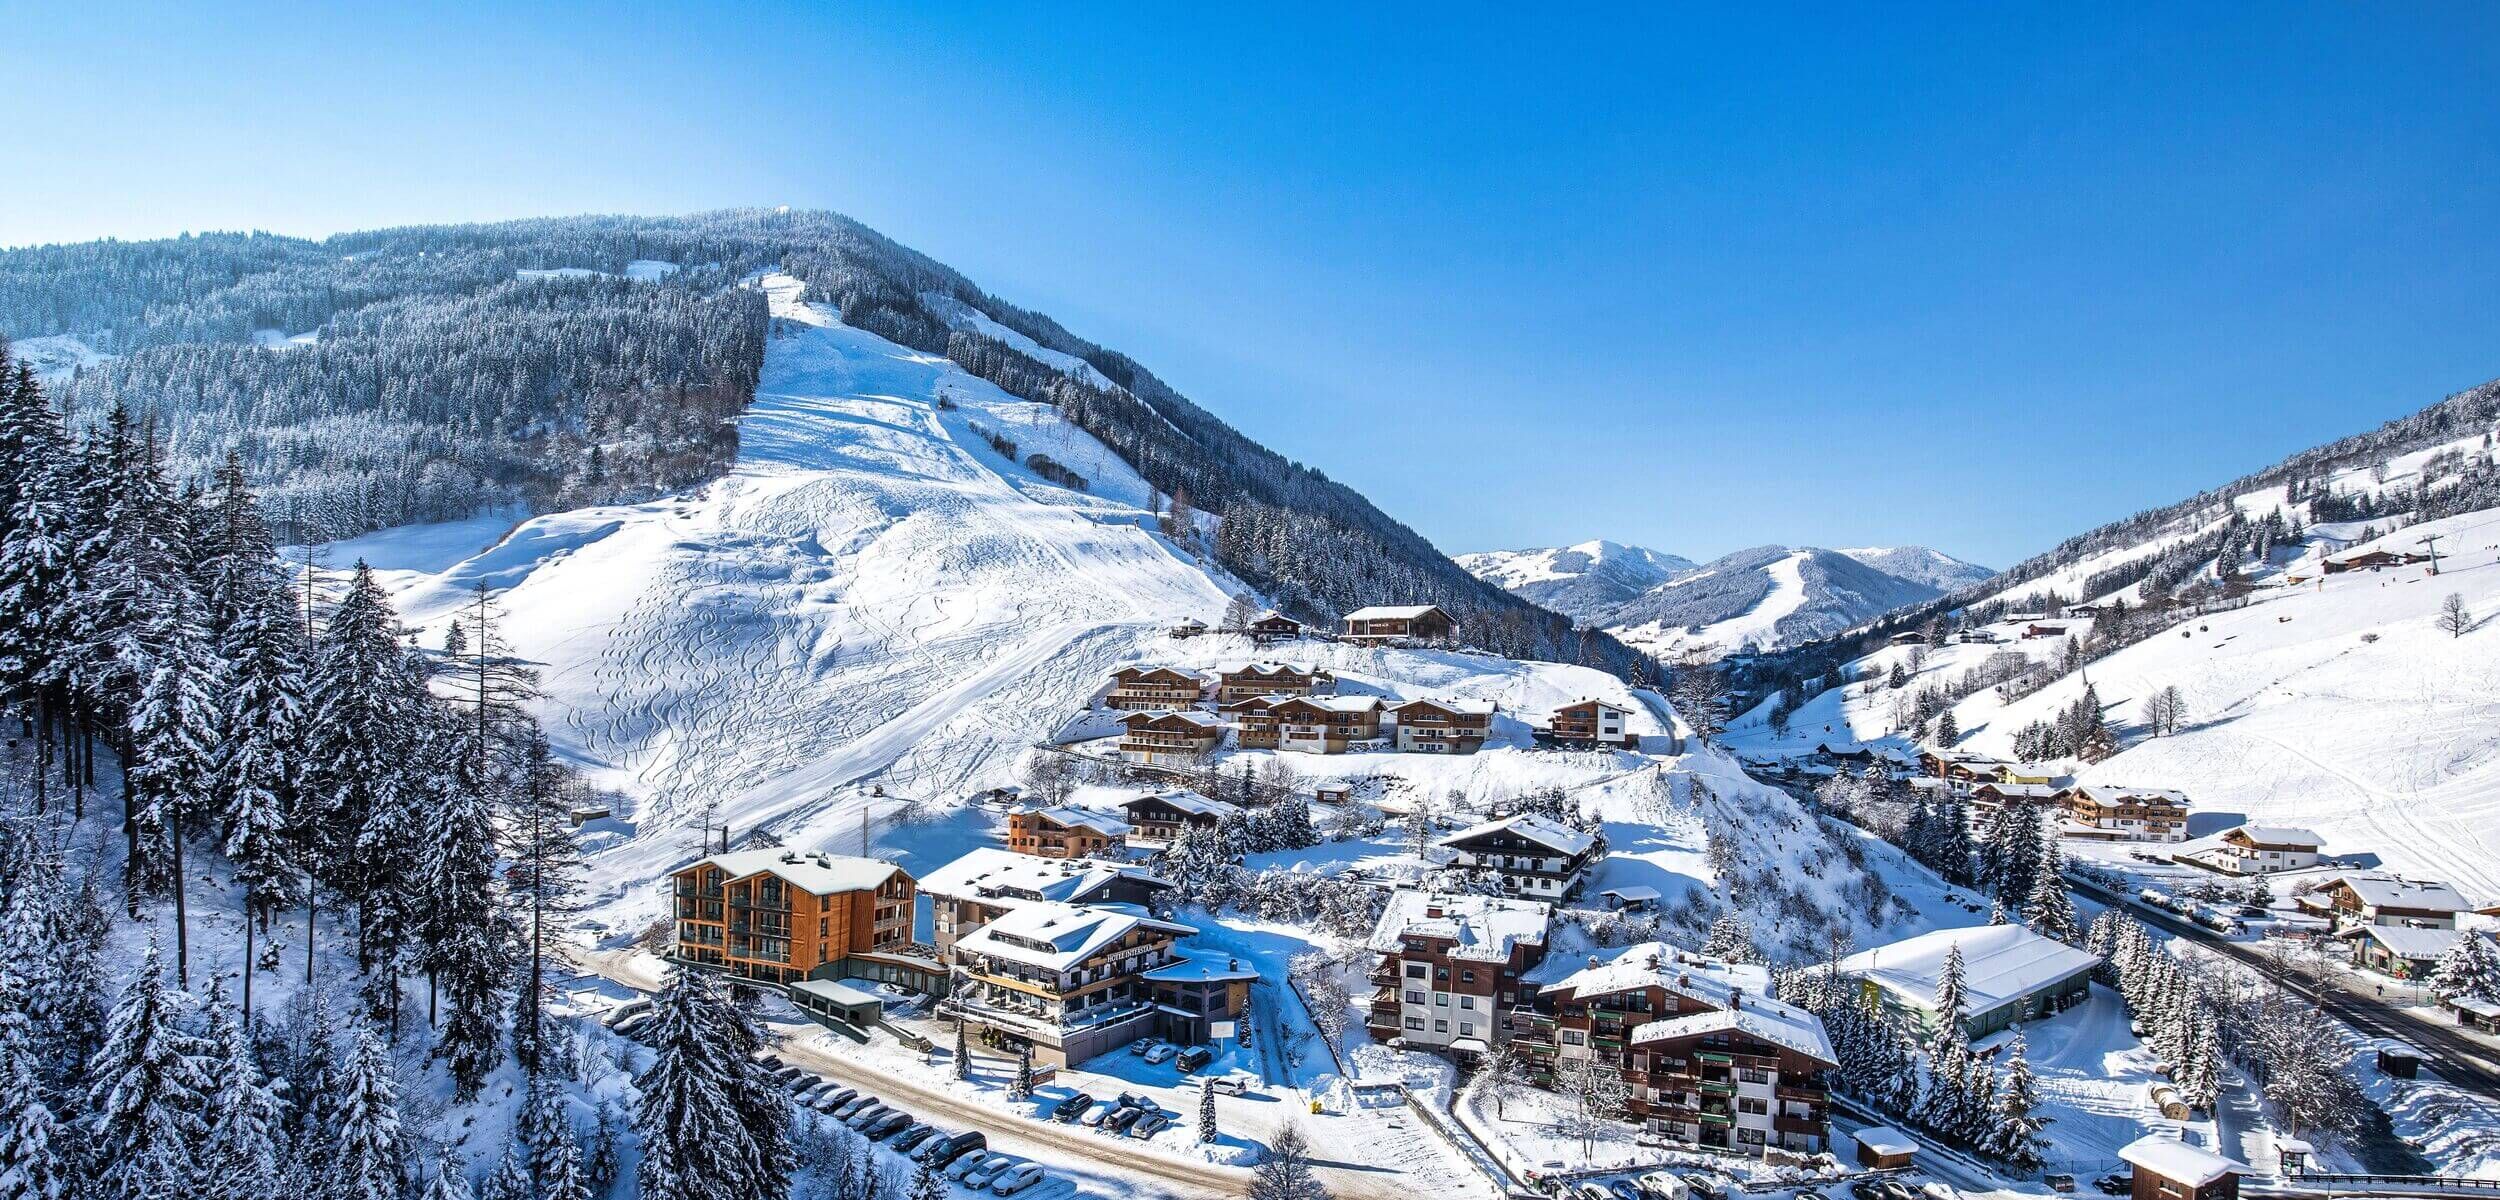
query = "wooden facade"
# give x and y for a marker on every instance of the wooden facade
(1069, 982)
(1275, 627)
(1270, 679)
(1400, 624)
(1311, 724)
(1167, 738)
(2126, 814)
(1448, 967)
(1065, 833)
(1137, 689)
(1165, 816)
(1442, 727)
(1592, 723)
(781, 916)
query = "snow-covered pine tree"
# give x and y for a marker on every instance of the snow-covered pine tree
(2015, 1137)
(2200, 1075)
(32, 1146)
(926, 1183)
(1952, 1005)
(1023, 1086)
(510, 1180)
(369, 1159)
(172, 738)
(356, 748)
(2049, 911)
(260, 763)
(1731, 939)
(240, 1160)
(603, 1162)
(545, 873)
(464, 942)
(963, 1053)
(449, 1182)
(146, 1091)
(696, 1144)
(548, 1142)
(2470, 969)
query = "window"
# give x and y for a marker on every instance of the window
(1753, 1075)
(1416, 970)
(1747, 1104)
(1440, 1027)
(1414, 997)
(1466, 1002)
(1466, 1029)
(1440, 999)
(1573, 1037)
(1414, 1022)
(1466, 977)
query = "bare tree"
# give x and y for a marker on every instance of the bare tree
(2454, 619)
(2165, 711)
(1504, 1076)
(1597, 1094)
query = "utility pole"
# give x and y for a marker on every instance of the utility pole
(2431, 540)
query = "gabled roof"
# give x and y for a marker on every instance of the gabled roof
(2102, 793)
(1144, 672)
(1471, 708)
(1264, 670)
(1070, 817)
(1542, 830)
(815, 874)
(1005, 878)
(1999, 963)
(1343, 704)
(1186, 801)
(1055, 937)
(1485, 928)
(1782, 1025)
(2170, 1158)
(2276, 835)
(1272, 615)
(2380, 890)
(1393, 612)
(2405, 941)
(1631, 968)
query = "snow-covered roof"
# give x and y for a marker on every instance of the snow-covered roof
(1711, 981)
(1263, 667)
(2000, 963)
(1004, 877)
(1632, 894)
(1202, 967)
(1782, 1025)
(2405, 941)
(2171, 1158)
(2102, 793)
(837, 991)
(2381, 890)
(1485, 928)
(1542, 830)
(1193, 716)
(1187, 801)
(1884, 1139)
(1271, 615)
(1056, 937)
(815, 874)
(1391, 612)
(1343, 704)
(1463, 707)
(1071, 817)
(2026, 791)
(2276, 835)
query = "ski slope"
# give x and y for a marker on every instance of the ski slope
(873, 597)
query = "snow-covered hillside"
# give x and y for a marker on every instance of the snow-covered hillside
(2335, 703)
(1765, 598)
(874, 596)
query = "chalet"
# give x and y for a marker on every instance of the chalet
(1908, 638)
(1273, 627)
(781, 916)
(1202, 995)
(1162, 817)
(1591, 723)
(1985, 799)
(1312, 724)
(2253, 850)
(1165, 738)
(1450, 965)
(1067, 982)
(1333, 792)
(2042, 629)
(1145, 689)
(1065, 832)
(1534, 856)
(2098, 811)
(1187, 627)
(2167, 1168)
(1443, 726)
(2401, 951)
(1965, 769)
(1708, 1056)
(1976, 637)
(2009, 974)
(1234, 684)
(1401, 624)
(1631, 897)
(2375, 898)
(975, 889)
(2370, 560)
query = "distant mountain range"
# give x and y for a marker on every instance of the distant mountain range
(1765, 598)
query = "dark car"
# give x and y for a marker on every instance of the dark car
(1071, 1108)
(1194, 1058)
(1623, 1189)
(1119, 1122)
(971, 1141)
(888, 1125)
(907, 1140)
(2115, 1184)
(1708, 1188)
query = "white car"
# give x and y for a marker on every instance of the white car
(1023, 1176)
(990, 1172)
(965, 1166)
(1160, 1052)
(1665, 1185)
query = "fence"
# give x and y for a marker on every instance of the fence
(2380, 1185)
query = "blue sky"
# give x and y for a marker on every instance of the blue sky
(1980, 276)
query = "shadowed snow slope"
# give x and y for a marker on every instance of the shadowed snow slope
(874, 593)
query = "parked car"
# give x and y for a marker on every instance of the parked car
(1624, 1190)
(910, 1139)
(1142, 1045)
(1935, 1190)
(1666, 1185)
(1808, 1194)
(1018, 1178)
(1119, 1122)
(789, 1075)
(1590, 1191)
(1149, 1125)
(866, 1113)
(1093, 1118)
(946, 1151)
(894, 1121)
(2059, 1182)
(969, 1163)
(1704, 1187)
(1196, 1057)
(2115, 1184)
(1071, 1108)
(1233, 1085)
(988, 1172)
(833, 1098)
(847, 1109)
(1161, 1053)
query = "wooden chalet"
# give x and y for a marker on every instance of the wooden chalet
(1709, 1058)
(1065, 832)
(1442, 726)
(1311, 724)
(1908, 638)
(1162, 817)
(1273, 626)
(2253, 850)
(2097, 811)
(1067, 982)
(1449, 966)
(1150, 688)
(2371, 560)
(2044, 629)
(1591, 723)
(1534, 856)
(986, 882)
(1235, 684)
(2377, 898)
(1167, 738)
(780, 916)
(1399, 624)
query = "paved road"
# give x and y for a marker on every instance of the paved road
(2455, 1056)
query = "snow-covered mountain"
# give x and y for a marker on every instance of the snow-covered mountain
(1583, 582)
(1764, 598)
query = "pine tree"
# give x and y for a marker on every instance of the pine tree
(356, 745)
(240, 1160)
(963, 1055)
(1023, 1086)
(2470, 970)
(31, 1140)
(510, 1180)
(1732, 940)
(1952, 1005)
(146, 1091)
(926, 1183)
(367, 1159)
(2050, 912)
(696, 1144)
(545, 873)
(464, 943)
(604, 1161)
(2016, 1135)
(553, 1151)
(172, 736)
(450, 1181)
(1206, 1110)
